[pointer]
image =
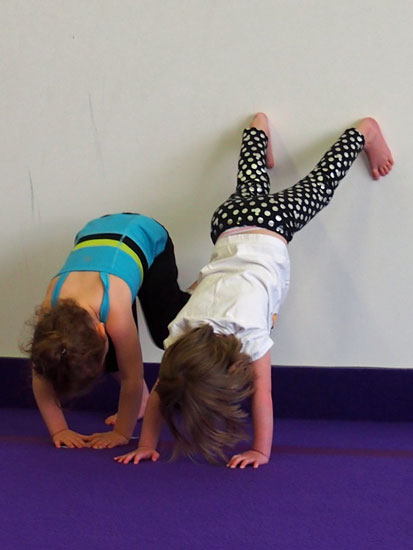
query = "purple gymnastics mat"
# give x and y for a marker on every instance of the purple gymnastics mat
(329, 485)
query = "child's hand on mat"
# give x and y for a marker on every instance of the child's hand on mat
(141, 453)
(248, 457)
(107, 440)
(68, 438)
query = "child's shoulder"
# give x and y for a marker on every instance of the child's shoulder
(120, 295)
(47, 300)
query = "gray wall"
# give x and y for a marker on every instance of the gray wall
(138, 105)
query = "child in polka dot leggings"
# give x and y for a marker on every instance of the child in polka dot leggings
(217, 351)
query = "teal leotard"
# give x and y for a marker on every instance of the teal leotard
(124, 245)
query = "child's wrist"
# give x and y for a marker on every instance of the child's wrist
(266, 455)
(151, 447)
(54, 434)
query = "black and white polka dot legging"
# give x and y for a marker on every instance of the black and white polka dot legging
(289, 210)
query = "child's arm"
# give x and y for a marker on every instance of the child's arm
(123, 332)
(262, 415)
(151, 429)
(53, 416)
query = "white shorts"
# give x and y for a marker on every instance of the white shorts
(239, 291)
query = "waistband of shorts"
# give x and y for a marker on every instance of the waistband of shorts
(252, 238)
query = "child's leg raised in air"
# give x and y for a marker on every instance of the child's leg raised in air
(297, 205)
(260, 121)
(252, 179)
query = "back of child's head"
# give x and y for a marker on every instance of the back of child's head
(66, 349)
(203, 379)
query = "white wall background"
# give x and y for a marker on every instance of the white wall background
(111, 105)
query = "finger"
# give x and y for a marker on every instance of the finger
(155, 457)
(81, 436)
(245, 463)
(78, 440)
(97, 442)
(232, 460)
(236, 461)
(119, 458)
(137, 459)
(256, 464)
(57, 444)
(124, 459)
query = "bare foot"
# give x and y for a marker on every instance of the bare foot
(260, 121)
(111, 420)
(378, 153)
